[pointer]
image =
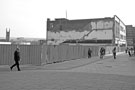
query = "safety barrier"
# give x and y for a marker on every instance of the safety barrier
(45, 54)
(59, 53)
(30, 54)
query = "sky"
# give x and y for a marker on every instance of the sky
(27, 18)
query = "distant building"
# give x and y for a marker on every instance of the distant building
(7, 35)
(108, 30)
(101, 30)
(130, 35)
(7, 39)
(39, 42)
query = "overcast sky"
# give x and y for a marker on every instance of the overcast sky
(27, 18)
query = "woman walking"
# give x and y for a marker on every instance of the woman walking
(114, 52)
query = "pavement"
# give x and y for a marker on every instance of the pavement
(122, 65)
(81, 74)
(65, 65)
(76, 63)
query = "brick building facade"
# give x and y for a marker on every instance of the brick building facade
(109, 30)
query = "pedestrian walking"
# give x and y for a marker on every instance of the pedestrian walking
(102, 52)
(89, 53)
(114, 52)
(129, 52)
(134, 50)
(126, 50)
(16, 59)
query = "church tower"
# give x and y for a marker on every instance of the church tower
(7, 34)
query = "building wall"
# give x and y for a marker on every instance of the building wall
(61, 30)
(130, 35)
(119, 31)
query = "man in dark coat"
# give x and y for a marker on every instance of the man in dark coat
(17, 59)
(129, 52)
(89, 53)
(102, 52)
(114, 52)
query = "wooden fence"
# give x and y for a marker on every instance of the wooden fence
(30, 54)
(37, 54)
(59, 53)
